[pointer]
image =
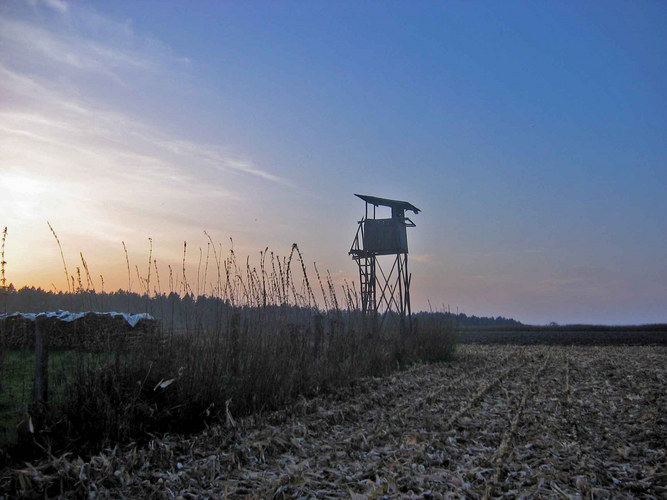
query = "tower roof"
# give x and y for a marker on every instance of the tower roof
(385, 202)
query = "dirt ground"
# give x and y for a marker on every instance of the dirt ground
(500, 420)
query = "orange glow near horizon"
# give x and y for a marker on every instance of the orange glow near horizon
(541, 189)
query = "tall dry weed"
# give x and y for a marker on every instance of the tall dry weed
(255, 342)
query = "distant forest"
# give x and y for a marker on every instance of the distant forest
(174, 310)
(463, 319)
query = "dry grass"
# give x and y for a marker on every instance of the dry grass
(255, 342)
(498, 421)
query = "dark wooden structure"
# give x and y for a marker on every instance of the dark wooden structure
(384, 293)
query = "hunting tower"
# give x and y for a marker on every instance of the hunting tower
(384, 292)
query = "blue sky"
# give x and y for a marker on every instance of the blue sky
(531, 134)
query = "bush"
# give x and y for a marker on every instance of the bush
(435, 339)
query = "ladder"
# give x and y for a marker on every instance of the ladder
(367, 282)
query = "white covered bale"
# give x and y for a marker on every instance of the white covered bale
(67, 330)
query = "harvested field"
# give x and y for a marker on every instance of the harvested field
(544, 421)
(565, 335)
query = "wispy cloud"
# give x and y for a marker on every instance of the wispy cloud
(71, 55)
(61, 112)
(39, 49)
(57, 5)
(75, 150)
(219, 160)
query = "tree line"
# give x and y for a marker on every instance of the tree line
(172, 309)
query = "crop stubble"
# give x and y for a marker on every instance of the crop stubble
(540, 421)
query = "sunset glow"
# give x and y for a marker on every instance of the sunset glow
(532, 136)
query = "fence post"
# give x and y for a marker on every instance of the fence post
(41, 363)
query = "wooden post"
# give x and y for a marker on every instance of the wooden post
(41, 363)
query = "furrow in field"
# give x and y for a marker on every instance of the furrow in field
(388, 449)
(455, 453)
(618, 410)
(504, 447)
(473, 434)
(574, 440)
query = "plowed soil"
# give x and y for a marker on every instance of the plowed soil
(498, 421)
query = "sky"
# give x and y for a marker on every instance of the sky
(532, 135)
